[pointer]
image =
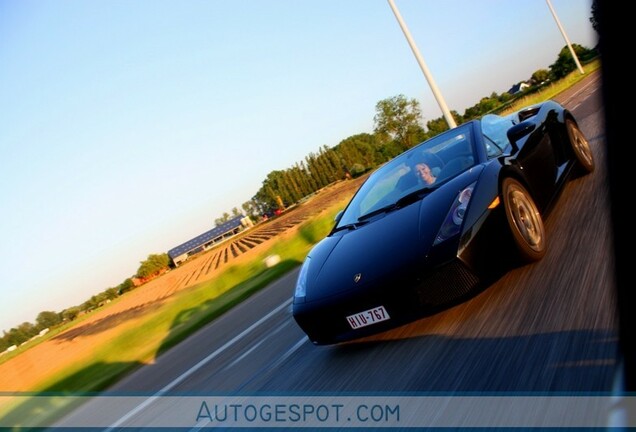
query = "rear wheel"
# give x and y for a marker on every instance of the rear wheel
(580, 147)
(524, 219)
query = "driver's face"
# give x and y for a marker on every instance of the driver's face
(424, 172)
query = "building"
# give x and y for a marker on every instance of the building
(518, 88)
(209, 239)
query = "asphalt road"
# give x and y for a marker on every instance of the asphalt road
(546, 327)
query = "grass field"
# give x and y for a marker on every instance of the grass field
(553, 89)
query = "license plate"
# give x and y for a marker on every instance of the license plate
(368, 317)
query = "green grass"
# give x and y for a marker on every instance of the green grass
(551, 90)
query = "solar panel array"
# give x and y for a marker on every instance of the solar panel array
(202, 269)
(206, 237)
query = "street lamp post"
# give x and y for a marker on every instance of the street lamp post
(431, 82)
(565, 36)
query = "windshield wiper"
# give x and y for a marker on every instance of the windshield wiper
(350, 226)
(404, 201)
(384, 209)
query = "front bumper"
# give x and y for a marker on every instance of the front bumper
(405, 299)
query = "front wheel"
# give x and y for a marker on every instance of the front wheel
(524, 219)
(580, 147)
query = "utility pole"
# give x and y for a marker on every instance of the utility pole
(565, 36)
(431, 82)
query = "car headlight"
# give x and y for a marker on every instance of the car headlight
(301, 283)
(455, 217)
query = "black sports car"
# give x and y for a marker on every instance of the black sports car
(424, 228)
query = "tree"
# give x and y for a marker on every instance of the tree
(47, 319)
(505, 97)
(71, 313)
(90, 304)
(440, 125)
(362, 149)
(595, 19)
(27, 330)
(224, 218)
(125, 286)
(565, 63)
(251, 209)
(356, 150)
(398, 119)
(357, 170)
(111, 293)
(153, 265)
(540, 76)
(436, 126)
(16, 336)
(4, 342)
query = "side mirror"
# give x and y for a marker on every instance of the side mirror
(519, 131)
(338, 216)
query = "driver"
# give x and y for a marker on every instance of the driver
(424, 173)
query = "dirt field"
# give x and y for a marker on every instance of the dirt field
(32, 367)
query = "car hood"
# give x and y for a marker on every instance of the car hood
(389, 246)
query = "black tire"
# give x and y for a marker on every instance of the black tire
(580, 147)
(524, 220)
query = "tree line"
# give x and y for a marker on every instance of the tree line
(397, 127)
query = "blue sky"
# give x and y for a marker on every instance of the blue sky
(126, 127)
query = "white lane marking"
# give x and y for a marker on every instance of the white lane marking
(581, 90)
(196, 367)
(262, 341)
(288, 353)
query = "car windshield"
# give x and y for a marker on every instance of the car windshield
(411, 175)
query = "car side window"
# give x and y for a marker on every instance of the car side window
(494, 129)
(492, 149)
